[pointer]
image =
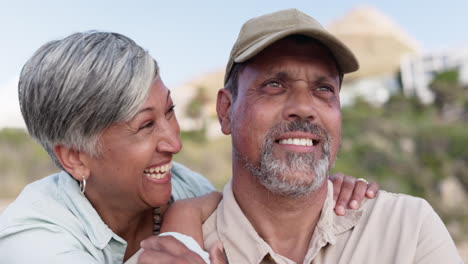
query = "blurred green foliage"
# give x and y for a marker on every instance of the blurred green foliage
(403, 145)
(195, 106)
(22, 161)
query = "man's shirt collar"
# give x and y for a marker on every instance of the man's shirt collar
(233, 226)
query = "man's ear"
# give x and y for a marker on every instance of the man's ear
(72, 161)
(223, 108)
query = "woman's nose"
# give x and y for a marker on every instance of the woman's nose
(170, 141)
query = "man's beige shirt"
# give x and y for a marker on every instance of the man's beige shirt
(392, 228)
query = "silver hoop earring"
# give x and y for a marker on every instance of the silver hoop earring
(83, 185)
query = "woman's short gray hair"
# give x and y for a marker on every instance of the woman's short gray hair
(71, 89)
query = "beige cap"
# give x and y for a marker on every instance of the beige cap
(260, 32)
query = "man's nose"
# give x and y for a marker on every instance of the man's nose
(300, 104)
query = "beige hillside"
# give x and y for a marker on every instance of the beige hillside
(377, 41)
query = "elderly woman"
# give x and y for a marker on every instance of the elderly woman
(96, 103)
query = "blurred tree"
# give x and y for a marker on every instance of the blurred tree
(196, 111)
(450, 95)
(195, 106)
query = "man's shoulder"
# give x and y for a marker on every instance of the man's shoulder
(410, 221)
(398, 196)
(399, 207)
(402, 214)
(396, 201)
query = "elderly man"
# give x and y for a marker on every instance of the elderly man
(281, 105)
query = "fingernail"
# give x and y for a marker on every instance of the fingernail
(340, 210)
(370, 193)
(353, 204)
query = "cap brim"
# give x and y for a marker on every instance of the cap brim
(344, 57)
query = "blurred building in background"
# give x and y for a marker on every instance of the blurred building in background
(417, 71)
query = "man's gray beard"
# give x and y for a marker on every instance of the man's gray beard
(274, 173)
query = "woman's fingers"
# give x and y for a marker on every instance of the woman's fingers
(349, 192)
(347, 187)
(372, 190)
(359, 193)
(337, 180)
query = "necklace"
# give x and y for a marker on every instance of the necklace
(157, 218)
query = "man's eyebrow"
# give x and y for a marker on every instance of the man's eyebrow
(282, 75)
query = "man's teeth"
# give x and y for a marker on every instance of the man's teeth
(158, 172)
(297, 141)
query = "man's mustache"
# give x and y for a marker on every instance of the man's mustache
(296, 126)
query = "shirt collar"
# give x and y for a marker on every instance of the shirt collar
(98, 232)
(243, 244)
(331, 224)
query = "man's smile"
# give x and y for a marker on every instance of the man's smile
(298, 141)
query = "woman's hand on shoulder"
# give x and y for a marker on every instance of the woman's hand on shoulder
(348, 192)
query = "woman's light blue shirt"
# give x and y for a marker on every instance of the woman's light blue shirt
(52, 222)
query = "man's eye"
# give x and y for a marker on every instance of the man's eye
(272, 87)
(325, 89)
(274, 84)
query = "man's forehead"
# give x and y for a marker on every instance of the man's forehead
(290, 65)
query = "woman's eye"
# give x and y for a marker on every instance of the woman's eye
(147, 125)
(171, 109)
(170, 112)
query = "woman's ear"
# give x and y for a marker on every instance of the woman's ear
(223, 108)
(72, 161)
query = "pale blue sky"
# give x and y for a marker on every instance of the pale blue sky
(191, 37)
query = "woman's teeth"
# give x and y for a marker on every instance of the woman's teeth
(158, 172)
(297, 141)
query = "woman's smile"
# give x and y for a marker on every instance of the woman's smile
(159, 173)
